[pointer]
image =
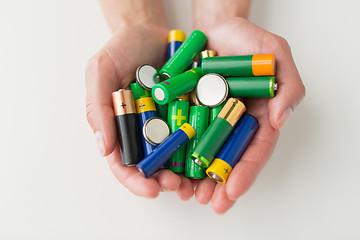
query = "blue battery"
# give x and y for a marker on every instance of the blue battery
(165, 150)
(145, 108)
(143, 117)
(233, 149)
(175, 39)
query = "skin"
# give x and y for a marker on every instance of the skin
(229, 34)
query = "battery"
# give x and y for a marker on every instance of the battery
(145, 108)
(264, 86)
(214, 111)
(194, 101)
(147, 76)
(128, 129)
(217, 133)
(199, 120)
(183, 57)
(240, 66)
(205, 54)
(212, 90)
(162, 111)
(233, 149)
(178, 114)
(175, 39)
(165, 150)
(155, 130)
(168, 90)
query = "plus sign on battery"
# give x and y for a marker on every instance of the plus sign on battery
(179, 117)
(142, 106)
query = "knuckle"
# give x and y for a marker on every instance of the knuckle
(281, 43)
(90, 110)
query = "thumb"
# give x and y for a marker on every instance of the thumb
(100, 83)
(290, 92)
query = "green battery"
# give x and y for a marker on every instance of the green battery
(138, 91)
(199, 120)
(185, 54)
(240, 66)
(252, 86)
(162, 111)
(214, 111)
(217, 133)
(178, 114)
(168, 90)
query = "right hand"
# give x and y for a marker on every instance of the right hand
(112, 68)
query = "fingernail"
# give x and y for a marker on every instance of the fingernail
(284, 118)
(100, 142)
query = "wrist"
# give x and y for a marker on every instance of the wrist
(208, 13)
(119, 13)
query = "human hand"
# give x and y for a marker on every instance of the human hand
(112, 68)
(237, 36)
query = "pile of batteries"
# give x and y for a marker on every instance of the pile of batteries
(167, 108)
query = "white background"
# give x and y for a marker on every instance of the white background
(55, 185)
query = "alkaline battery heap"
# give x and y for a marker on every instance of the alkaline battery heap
(193, 99)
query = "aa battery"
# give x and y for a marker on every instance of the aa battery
(183, 57)
(194, 101)
(147, 76)
(233, 149)
(240, 66)
(145, 108)
(206, 54)
(165, 150)
(212, 89)
(265, 86)
(168, 90)
(218, 132)
(128, 128)
(155, 131)
(175, 39)
(178, 114)
(162, 111)
(214, 111)
(199, 120)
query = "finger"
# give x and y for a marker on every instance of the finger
(256, 155)
(168, 180)
(220, 202)
(186, 190)
(195, 182)
(101, 81)
(131, 178)
(291, 89)
(204, 190)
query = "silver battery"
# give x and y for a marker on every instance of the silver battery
(147, 76)
(155, 131)
(212, 90)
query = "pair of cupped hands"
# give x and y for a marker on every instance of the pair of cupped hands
(113, 68)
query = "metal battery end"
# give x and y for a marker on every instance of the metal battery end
(147, 76)
(215, 177)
